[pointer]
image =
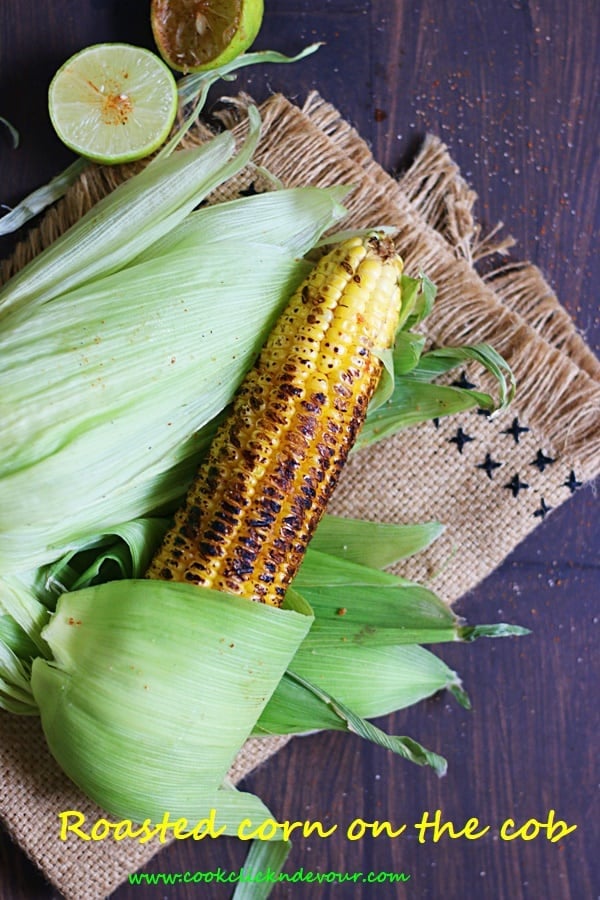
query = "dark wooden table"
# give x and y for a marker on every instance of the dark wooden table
(511, 86)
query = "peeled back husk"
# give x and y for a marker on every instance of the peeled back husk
(154, 687)
(104, 389)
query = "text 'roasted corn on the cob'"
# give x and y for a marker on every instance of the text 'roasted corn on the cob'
(274, 463)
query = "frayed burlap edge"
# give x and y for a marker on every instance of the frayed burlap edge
(432, 207)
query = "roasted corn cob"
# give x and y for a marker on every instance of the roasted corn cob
(274, 463)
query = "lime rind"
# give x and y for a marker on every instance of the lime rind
(243, 28)
(113, 103)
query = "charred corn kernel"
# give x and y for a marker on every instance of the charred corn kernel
(272, 467)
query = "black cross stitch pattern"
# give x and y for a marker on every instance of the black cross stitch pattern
(516, 485)
(489, 465)
(543, 510)
(463, 382)
(516, 430)
(542, 461)
(460, 439)
(572, 482)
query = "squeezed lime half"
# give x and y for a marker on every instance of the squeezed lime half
(197, 35)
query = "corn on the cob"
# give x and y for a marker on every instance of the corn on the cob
(272, 467)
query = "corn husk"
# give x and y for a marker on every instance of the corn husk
(300, 706)
(106, 388)
(374, 544)
(153, 688)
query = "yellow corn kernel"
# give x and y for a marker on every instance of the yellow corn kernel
(274, 463)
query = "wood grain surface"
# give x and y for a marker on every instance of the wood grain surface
(511, 86)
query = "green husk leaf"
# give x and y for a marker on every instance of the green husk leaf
(444, 359)
(294, 600)
(300, 705)
(259, 220)
(263, 856)
(13, 636)
(15, 690)
(191, 86)
(14, 134)
(194, 88)
(469, 633)
(374, 544)
(104, 402)
(385, 386)
(233, 806)
(41, 198)
(123, 553)
(294, 710)
(460, 695)
(122, 224)
(408, 348)
(18, 601)
(124, 705)
(355, 605)
(418, 297)
(413, 403)
(374, 680)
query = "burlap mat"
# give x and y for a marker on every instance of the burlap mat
(491, 481)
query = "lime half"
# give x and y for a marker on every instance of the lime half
(113, 103)
(196, 35)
